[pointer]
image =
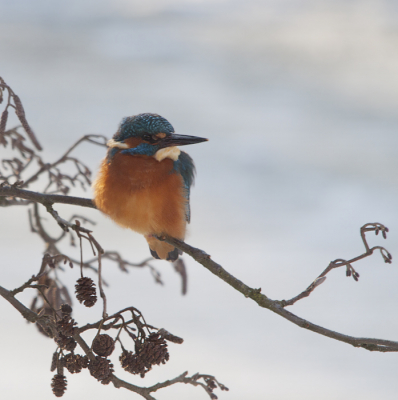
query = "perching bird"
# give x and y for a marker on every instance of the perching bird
(144, 181)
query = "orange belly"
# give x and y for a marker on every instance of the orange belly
(141, 193)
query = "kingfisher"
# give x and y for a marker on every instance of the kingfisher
(145, 179)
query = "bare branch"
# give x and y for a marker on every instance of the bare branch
(20, 112)
(255, 294)
(25, 312)
(371, 227)
(278, 306)
(45, 199)
(65, 157)
(117, 382)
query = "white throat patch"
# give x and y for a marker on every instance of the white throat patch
(114, 143)
(168, 152)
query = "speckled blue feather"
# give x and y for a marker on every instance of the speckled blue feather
(185, 166)
(143, 149)
(139, 124)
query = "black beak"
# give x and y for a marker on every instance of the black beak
(180, 140)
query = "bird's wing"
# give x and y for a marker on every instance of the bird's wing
(185, 166)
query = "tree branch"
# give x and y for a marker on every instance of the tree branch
(204, 259)
(65, 156)
(51, 308)
(350, 271)
(24, 311)
(45, 199)
(277, 306)
(31, 316)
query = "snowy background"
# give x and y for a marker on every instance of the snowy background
(299, 100)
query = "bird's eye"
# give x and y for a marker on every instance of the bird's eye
(147, 137)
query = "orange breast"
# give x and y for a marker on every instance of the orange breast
(141, 193)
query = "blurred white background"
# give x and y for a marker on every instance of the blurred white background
(299, 100)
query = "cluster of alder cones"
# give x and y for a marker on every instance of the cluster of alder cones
(150, 349)
(153, 351)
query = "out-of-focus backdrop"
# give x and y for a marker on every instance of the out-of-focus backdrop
(299, 100)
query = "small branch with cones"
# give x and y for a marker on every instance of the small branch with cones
(150, 348)
(141, 346)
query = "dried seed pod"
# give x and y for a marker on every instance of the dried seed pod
(67, 343)
(66, 309)
(101, 369)
(155, 350)
(21, 116)
(54, 362)
(133, 364)
(66, 325)
(3, 121)
(85, 291)
(223, 387)
(210, 383)
(103, 345)
(58, 385)
(170, 337)
(75, 362)
(152, 352)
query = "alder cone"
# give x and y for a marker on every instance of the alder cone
(101, 369)
(66, 309)
(152, 352)
(103, 345)
(58, 385)
(66, 326)
(85, 291)
(75, 362)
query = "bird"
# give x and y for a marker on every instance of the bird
(144, 181)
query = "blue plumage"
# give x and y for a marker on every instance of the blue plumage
(140, 124)
(186, 168)
(143, 149)
(143, 154)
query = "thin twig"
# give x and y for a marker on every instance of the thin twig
(102, 293)
(371, 227)
(276, 306)
(64, 157)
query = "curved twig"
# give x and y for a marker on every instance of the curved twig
(278, 306)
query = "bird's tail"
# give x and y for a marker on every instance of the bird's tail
(162, 250)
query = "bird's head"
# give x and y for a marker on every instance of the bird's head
(146, 134)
